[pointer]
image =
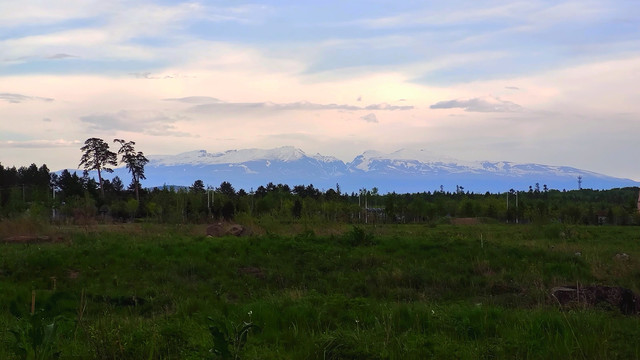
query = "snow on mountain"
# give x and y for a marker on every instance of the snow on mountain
(425, 162)
(408, 161)
(405, 170)
(202, 157)
(420, 155)
(326, 159)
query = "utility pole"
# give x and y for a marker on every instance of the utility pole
(251, 193)
(359, 206)
(366, 209)
(209, 199)
(507, 207)
(516, 206)
(53, 206)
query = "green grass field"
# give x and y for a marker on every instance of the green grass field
(386, 292)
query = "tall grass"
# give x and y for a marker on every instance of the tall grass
(384, 292)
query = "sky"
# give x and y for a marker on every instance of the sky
(550, 82)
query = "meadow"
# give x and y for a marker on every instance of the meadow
(322, 291)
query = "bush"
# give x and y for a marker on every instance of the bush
(228, 210)
(359, 237)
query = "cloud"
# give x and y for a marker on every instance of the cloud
(145, 75)
(60, 56)
(37, 144)
(387, 107)
(370, 118)
(152, 76)
(22, 59)
(269, 107)
(30, 12)
(46, 119)
(533, 14)
(109, 32)
(150, 123)
(196, 100)
(512, 87)
(487, 104)
(19, 98)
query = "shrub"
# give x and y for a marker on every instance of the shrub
(359, 237)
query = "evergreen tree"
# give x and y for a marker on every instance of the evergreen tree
(135, 162)
(97, 156)
(297, 209)
(227, 189)
(197, 187)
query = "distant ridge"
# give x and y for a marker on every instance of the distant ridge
(405, 170)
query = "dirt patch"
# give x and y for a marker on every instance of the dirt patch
(465, 221)
(252, 271)
(119, 301)
(225, 229)
(594, 296)
(30, 239)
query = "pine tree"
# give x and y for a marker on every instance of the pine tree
(135, 162)
(96, 156)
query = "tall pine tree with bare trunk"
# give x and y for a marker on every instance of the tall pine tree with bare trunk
(135, 162)
(96, 156)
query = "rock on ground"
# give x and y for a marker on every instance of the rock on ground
(223, 229)
(615, 296)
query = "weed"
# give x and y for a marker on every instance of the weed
(228, 341)
(36, 336)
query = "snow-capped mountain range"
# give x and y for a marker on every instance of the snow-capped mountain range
(401, 171)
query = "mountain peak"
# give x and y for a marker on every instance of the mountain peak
(202, 157)
(422, 155)
(285, 153)
(325, 158)
(402, 170)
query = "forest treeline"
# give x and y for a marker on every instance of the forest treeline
(71, 198)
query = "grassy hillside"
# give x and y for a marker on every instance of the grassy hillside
(385, 292)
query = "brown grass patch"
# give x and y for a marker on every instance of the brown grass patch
(465, 221)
